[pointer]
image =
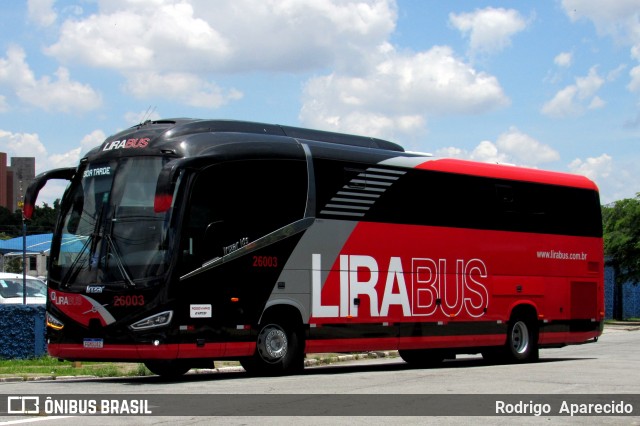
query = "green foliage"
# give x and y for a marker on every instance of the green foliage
(14, 265)
(621, 226)
(10, 223)
(42, 222)
(47, 366)
(43, 219)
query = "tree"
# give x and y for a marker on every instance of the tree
(621, 227)
(13, 265)
(10, 223)
(43, 219)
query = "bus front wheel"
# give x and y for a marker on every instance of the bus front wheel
(278, 351)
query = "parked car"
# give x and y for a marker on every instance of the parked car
(12, 289)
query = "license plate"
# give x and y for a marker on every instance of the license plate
(93, 343)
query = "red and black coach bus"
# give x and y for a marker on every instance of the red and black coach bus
(184, 241)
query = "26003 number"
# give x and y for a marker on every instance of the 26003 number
(131, 300)
(265, 261)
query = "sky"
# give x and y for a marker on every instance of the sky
(553, 85)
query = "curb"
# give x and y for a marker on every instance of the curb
(324, 359)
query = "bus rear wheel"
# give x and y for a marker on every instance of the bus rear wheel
(522, 341)
(278, 351)
(169, 368)
(521, 345)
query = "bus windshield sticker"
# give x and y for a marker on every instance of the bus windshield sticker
(99, 171)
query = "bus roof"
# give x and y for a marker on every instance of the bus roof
(161, 131)
(172, 132)
(503, 171)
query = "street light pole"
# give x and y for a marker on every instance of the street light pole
(24, 262)
(24, 254)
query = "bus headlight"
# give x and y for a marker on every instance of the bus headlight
(157, 320)
(53, 322)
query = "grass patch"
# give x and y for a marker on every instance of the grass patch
(613, 321)
(48, 366)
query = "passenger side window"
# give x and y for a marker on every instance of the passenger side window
(235, 203)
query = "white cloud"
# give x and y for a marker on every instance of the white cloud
(41, 12)
(615, 177)
(489, 30)
(563, 59)
(596, 103)
(29, 145)
(617, 18)
(188, 89)
(634, 84)
(589, 85)
(615, 73)
(162, 45)
(52, 94)
(90, 141)
(22, 145)
(175, 36)
(65, 159)
(563, 104)
(574, 99)
(512, 146)
(488, 152)
(400, 92)
(525, 149)
(593, 167)
(485, 152)
(60, 94)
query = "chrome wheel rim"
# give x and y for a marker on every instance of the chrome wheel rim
(520, 337)
(272, 343)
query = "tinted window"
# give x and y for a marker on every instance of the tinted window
(235, 203)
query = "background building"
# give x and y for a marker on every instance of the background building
(15, 179)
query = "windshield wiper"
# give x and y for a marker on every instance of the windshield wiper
(95, 236)
(113, 249)
(74, 269)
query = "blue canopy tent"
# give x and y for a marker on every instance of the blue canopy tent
(37, 244)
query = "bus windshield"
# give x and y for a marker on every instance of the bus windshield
(110, 232)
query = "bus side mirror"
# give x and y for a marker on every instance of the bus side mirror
(39, 182)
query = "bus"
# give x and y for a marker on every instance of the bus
(184, 241)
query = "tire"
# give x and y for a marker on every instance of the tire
(168, 369)
(278, 351)
(521, 345)
(522, 340)
(422, 358)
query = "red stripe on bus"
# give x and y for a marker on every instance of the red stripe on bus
(507, 172)
(146, 352)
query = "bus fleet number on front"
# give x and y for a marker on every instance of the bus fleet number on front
(129, 300)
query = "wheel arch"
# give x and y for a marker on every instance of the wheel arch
(287, 309)
(524, 309)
